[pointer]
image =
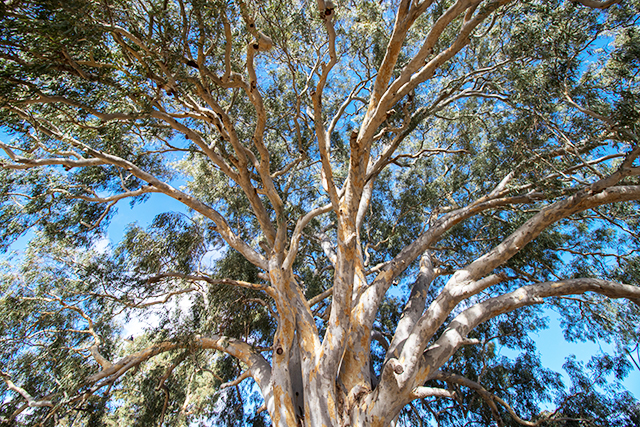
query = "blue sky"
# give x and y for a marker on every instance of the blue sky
(554, 349)
(551, 343)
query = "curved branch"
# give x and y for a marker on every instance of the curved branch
(491, 398)
(381, 339)
(455, 335)
(26, 163)
(486, 396)
(241, 377)
(597, 4)
(107, 199)
(222, 228)
(372, 296)
(258, 140)
(405, 17)
(465, 322)
(34, 403)
(259, 367)
(211, 281)
(466, 282)
(170, 369)
(415, 305)
(297, 234)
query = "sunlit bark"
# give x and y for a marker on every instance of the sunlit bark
(315, 379)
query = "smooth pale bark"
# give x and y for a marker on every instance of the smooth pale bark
(327, 381)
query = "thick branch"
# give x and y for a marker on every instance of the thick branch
(415, 305)
(405, 17)
(465, 282)
(466, 321)
(22, 392)
(27, 163)
(372, 297)
(257, 364)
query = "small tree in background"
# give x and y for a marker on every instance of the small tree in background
(378, 198)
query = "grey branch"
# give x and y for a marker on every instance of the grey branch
(597, 4)
(22, 392)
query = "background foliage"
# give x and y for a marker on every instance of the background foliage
(545, 90)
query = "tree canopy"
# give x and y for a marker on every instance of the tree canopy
(383, 200)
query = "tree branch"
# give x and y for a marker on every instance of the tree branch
(597, 4)
(258, 366)
(465, 322)
(31, 402)
(222, 228)
(423, 392)
(415, 305)
(372, 296)
(320, 297)
(241, 377)
(297, 234)
(195, 277)
(465, 283)
(484, 394)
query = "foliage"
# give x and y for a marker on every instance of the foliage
(377, 197)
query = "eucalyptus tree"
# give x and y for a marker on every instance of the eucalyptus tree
(379, 198)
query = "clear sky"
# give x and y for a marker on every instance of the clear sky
(555, 349)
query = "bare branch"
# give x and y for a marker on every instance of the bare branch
(297, 234)
(390, 270)
(415, 305)
(31, 402)
(423, 392)
(597, 4)
(241, 377)
(107, 199)
(491, 398)
(320, 297)
(242, 351)
(466, 321)
(27, 163)
(211, 281)
(465, 283)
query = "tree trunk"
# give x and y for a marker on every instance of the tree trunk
(318, 403)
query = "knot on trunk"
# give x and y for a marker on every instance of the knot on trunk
(396, 366)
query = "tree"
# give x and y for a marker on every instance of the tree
(379, 197)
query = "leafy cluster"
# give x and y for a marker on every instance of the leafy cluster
(110, 101)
